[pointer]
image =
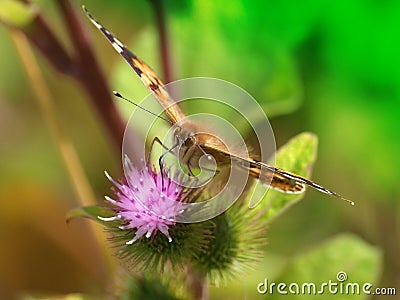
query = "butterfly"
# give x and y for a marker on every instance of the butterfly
(195, 145)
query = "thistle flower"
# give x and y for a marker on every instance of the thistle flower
(148, 202)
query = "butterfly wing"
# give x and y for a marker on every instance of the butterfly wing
(277, 178)
(146, 74)
(269, 175)
(287, 182)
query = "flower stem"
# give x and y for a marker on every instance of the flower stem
(196, 285)
(163, 40)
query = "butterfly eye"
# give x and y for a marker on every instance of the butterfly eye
(191, 140)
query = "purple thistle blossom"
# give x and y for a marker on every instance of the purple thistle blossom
(149, 202)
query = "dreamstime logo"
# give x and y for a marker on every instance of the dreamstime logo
(221, 114)
(338, 286)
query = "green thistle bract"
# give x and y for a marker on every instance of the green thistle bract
(235, 246)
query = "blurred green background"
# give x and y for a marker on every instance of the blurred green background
(331, 68)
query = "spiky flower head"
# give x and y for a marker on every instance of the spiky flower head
(147, 202)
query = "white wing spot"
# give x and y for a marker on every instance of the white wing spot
(117, 47)
(117, 41)
(98, 25)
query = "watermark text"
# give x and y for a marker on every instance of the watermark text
(339, 286)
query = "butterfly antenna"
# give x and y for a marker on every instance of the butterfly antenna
(342, 198)
(141, 107)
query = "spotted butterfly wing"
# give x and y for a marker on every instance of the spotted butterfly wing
(275, 177)
(145, 73)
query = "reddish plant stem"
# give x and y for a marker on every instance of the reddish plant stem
(82, 66)
(163, 40)
(90, 75)
(40, 35)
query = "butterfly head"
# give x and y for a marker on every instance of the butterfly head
(190, 140)
(190, 144)
(185, 138)
(185, 134)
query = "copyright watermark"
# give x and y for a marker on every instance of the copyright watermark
(340, 286)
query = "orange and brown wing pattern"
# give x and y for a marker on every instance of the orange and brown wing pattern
(277, 178)
(268, 175)
(288, 182)
(145, 73)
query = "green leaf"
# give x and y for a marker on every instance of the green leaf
(296, 156)
(16, 13)
(92, 212)
(346, 253)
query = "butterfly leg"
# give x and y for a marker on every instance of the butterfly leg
(155, 140)
(190, 170)
(161, 158)
(161, 161)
